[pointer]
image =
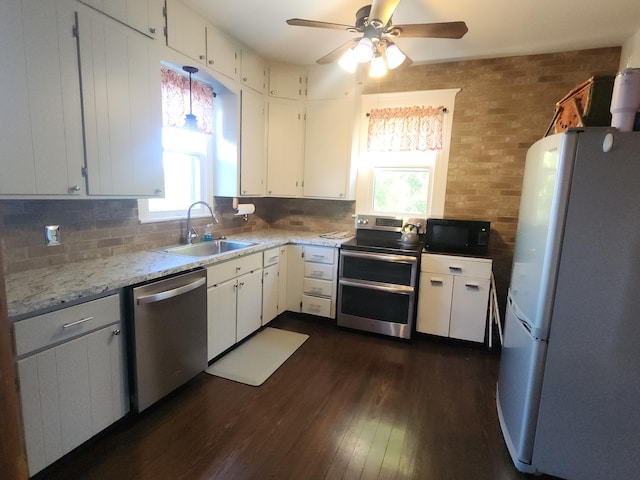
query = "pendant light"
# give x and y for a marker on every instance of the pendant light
(190, 120)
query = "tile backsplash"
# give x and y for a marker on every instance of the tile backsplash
(91, 229)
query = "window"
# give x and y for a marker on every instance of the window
(186, 153)
(408, 177)
(401, 190)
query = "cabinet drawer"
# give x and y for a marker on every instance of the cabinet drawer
(324, 288)
(452, 265)
(318, 270)
(44, 330)
(271, 256)
(238, 266)
(320, 254)
(316, 306)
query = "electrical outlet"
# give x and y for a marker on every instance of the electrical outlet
(52, 235)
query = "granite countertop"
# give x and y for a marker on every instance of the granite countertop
(45, 289)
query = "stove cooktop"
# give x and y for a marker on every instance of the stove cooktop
(391, 245)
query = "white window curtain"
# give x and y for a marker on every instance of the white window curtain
(405, 129)
(175, 101)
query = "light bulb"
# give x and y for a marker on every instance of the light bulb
(349, 61)
(364, 50)
(394, 56)
(191, 122)
(378, 67)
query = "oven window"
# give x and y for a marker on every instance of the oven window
(374, 304)
(377, 270)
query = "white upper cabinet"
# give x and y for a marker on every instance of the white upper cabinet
(122, 109)
(186, 31)
(327, 149)
(329, 82)
(252, 70)
(285, 81)
(41, 124)
(222, 53)
(143, 15)
(252, 162)
(284, 149)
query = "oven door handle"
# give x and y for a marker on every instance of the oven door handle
(383, 287)
(380, 256)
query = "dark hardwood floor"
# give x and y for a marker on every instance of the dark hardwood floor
(345, 405)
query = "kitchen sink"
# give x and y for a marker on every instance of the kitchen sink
(205, 249)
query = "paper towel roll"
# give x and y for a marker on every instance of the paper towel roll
(246, 209)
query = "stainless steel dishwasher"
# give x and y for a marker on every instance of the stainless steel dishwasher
(169, 343)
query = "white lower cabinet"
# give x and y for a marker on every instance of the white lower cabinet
(77, 387)
(270, 284)
(453, 296)
(234, 302)
(319, 284)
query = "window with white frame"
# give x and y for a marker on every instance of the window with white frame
(404, 152)
(186, 152)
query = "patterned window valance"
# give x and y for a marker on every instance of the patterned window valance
(175, 101)
(405, 129)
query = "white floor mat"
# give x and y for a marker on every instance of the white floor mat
(256, 359)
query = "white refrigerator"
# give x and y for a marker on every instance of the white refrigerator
(568, 392)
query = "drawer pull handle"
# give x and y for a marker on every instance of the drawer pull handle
(68, 325)
(473, 286)
(317, 273)
(455, 268)
(436, 281)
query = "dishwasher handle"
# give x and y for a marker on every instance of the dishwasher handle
(174, 292)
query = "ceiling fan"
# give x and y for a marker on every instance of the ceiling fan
(376, 43)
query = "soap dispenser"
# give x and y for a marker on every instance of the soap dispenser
(208, 233)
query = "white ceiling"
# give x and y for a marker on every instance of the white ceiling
(497, 28)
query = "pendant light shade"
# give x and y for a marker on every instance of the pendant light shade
(190, 120)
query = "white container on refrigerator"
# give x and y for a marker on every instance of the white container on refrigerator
(568, 392)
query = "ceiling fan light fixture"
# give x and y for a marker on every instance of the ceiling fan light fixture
(394, 55)
(349, 61)
(378, 67)
(364, 50)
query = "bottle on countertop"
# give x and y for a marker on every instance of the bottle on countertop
(208, 233)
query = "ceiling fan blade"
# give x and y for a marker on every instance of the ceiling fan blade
(338, 52)
(381, 10)
(432, 30)
(299, 22)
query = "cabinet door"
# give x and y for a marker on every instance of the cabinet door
(295, 275)
(469, 308)
(249, 304)
(186, 31)
(252, 164)
(221, 317)
(285, 81)
(252, 68)
(282, 278)
(222, 53)
(434, 304)
(269, 294)
(327, 148)
(284, 149)
(122, 108)
(41, 128)
(142, 15)
(329, 82)
(107, 377)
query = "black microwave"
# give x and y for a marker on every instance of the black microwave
(465, 237)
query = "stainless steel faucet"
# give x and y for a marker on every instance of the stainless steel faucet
(191, 232)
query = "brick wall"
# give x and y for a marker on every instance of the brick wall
(505, 105)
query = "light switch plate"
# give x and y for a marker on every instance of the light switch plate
(52, 235)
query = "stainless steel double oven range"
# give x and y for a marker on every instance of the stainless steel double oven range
(378, 275)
